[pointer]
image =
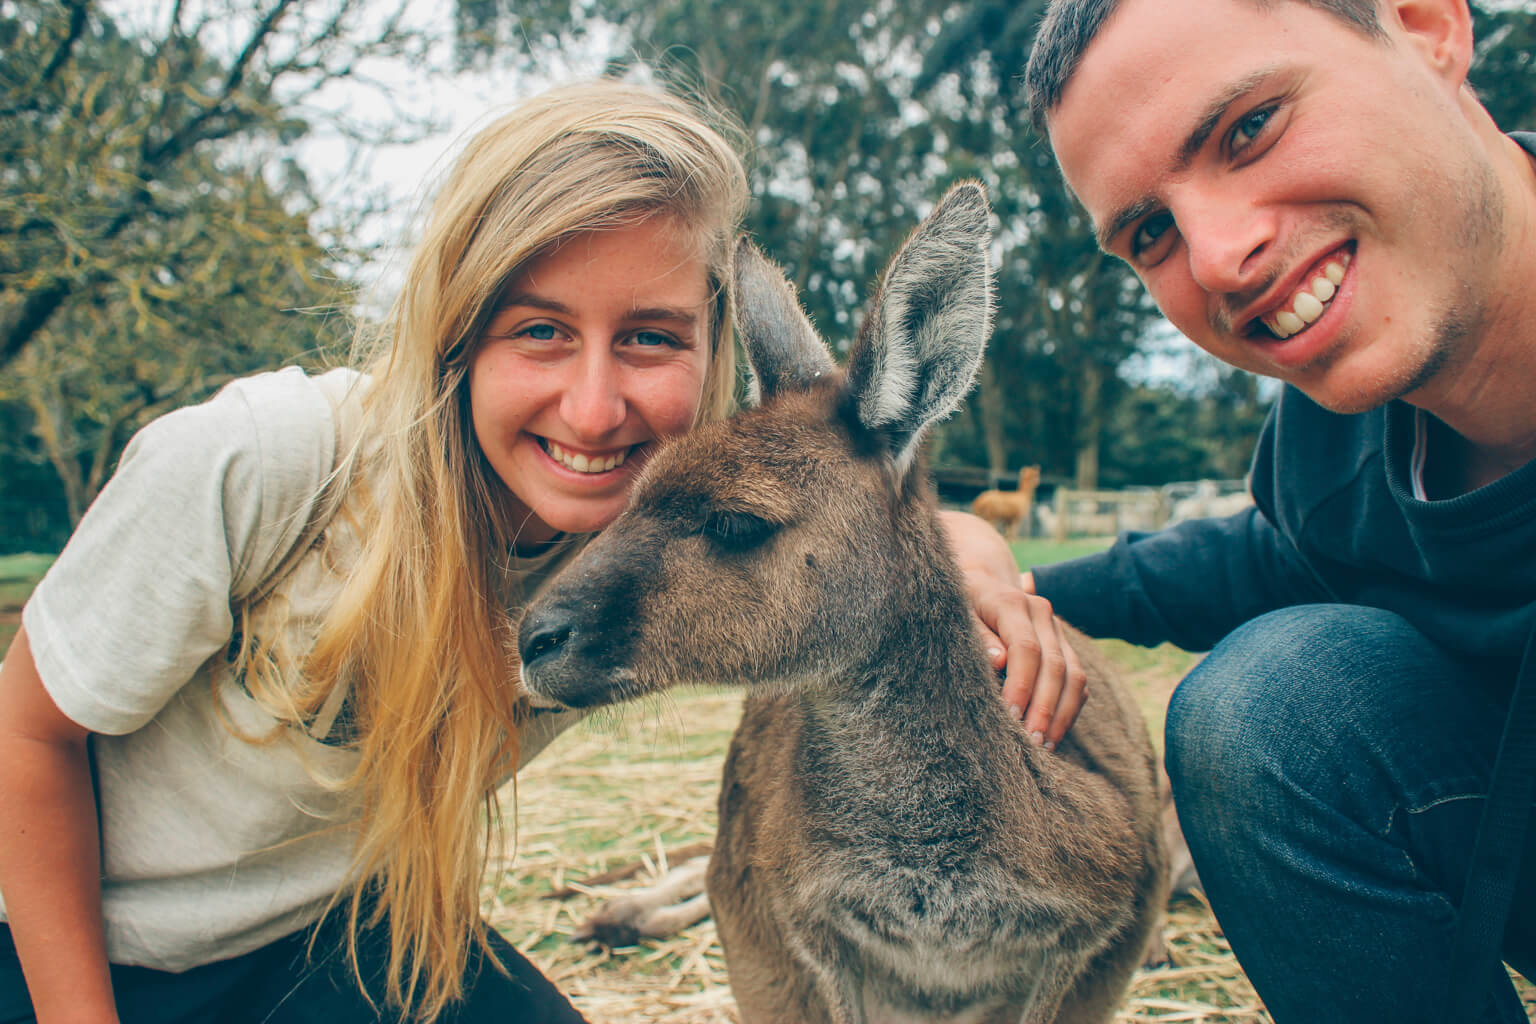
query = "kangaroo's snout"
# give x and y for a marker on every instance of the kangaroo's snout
(545, 632)
(544, 646)
(574, 646)
(562, 663)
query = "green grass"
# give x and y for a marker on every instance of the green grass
(24, 568)
(1030, 553)
(18, 575)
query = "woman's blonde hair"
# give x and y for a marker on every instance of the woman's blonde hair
(420, 634)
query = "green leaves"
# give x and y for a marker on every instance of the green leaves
(1504, 68)
(861, 115)
(152, 243)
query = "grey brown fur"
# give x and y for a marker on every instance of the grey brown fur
(892, 847)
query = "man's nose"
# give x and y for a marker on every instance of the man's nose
(1227, 239)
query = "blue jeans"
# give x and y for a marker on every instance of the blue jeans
(1329, 764)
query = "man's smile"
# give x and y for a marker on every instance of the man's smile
(1309, 301)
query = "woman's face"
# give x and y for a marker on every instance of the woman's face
(595, 351)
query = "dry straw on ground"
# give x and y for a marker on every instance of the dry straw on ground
(633, 788)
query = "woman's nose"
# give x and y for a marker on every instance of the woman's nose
(593, 404)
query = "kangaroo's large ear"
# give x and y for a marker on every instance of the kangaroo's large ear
(922, 342)
(783, 350)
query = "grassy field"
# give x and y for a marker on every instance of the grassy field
(1030, 553)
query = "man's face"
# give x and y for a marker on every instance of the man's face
(1301, 200)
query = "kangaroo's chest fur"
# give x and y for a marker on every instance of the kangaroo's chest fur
(906, 866)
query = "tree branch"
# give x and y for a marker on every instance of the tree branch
(190, 133)
(78, 12)
(36, 309)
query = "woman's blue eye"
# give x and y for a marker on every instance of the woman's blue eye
(540, 332)
(652, 339)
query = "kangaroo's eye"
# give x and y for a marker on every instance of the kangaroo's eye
(737, 530)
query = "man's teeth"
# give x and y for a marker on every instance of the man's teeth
(1308, 303)
(583, 463)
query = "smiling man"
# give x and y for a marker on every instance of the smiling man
(1310, 190)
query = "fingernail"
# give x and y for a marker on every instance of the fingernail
(994, 652)
(1037, 738)
(1051, 746)
(1017, 711)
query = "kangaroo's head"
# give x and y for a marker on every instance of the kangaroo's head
(782, 544)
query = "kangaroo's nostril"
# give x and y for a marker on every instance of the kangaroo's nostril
(540, 642)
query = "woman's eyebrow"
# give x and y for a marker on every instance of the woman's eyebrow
(535, 301)
(682, 316)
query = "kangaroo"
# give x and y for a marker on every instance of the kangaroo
(891, 847)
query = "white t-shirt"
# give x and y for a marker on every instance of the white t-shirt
(212, 846)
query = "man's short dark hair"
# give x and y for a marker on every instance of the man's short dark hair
(1069, 26)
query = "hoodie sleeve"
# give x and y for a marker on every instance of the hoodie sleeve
(1189, 585)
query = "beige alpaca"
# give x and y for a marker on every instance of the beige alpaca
(1010, 510)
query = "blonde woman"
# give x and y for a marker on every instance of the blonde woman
(253, 726)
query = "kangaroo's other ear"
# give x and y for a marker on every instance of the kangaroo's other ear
(922, 342)
(783, 349)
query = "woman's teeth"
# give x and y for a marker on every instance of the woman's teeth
(584, 463)
(1308, 303)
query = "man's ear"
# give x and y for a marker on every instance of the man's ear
(1439, 30)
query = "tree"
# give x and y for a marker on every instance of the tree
(1202, 430)
(156, 236)
(861, 115)
(1504, 69)
(224, 302)
(108, 138)
(1068, 315)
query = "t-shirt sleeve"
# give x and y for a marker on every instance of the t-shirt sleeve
(1189, 585)
(206, 501)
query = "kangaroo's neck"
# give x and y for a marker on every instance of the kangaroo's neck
(925, 680)
(914, 746)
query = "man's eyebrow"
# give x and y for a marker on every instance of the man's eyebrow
(1215, 112)
(1126, 216)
